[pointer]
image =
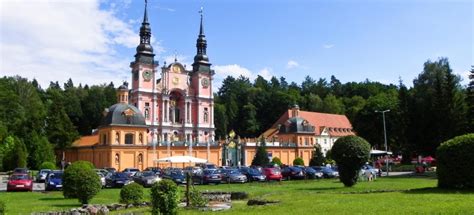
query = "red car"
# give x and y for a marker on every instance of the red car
(20, 182)
(272, 174)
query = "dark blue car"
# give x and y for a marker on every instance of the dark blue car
(252, 174)
(54, 180)
(118, 179)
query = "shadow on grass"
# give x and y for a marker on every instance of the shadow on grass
(66, 205)
(52, 199)
(436, 190)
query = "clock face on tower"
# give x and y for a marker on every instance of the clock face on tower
(147, 75)
(175, 80)
(176, 68)
(205, 82)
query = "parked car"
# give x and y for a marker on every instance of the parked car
(292, 172)
(21, 171)
(207, 166)
(176, 175)
(252, 174)
(192, 169)
(102, 178)
(41, 177)
(272, 174)
(233, 176)
(207, 176)
(110, 169)
(102, 171)
(329, 172)
(312, 173)
(375, 172)
(20, 182)
(54, 180)
(157, 170)
(118, 179)
(146, 178)
(131, 171)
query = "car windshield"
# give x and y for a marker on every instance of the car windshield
(233, 171)
(176, 173)
(120, 175)
(253, 171)
(19, 177)
(45, 171)
(146, 174)
(209, 171)
(57, 175)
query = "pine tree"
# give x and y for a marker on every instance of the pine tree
(470, 101)
(318, 158)
(261, 156)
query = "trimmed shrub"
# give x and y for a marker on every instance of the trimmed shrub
(277, 161)
(196, 199)
(47, 165)
(164, 198)
(350, 153)
(455, 159)
(3, 207)
(298, 161)
(81, 181)
(131, 194)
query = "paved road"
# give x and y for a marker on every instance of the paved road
(396, 173)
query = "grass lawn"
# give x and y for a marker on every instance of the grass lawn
(392, 195)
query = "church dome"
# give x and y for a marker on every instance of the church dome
(124, 115)
(145, 48)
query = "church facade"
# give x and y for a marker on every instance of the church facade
(166, 111)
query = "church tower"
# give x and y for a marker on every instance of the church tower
(201, 78)
(144, 74)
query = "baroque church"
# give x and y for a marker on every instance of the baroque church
(166, 111)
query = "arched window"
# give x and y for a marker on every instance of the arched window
(147, 113)
(128, 138)
(104, 139)
(140, 138)
(117, 158)
(117, 138)
(206, 115)
(140, 158)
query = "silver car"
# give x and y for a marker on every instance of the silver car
(41, 177)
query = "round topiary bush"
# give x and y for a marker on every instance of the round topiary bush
(164, 198)
(298, 161)
(277, 161)
(350, 153)
(131, 194)
(47, 165)
(81, 181)
(455, 162)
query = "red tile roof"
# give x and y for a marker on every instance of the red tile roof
(86, 141)
(338, 125)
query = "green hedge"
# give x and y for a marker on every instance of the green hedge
(47, 165)
(131, 194)
(298, 161)
(350, 153)
(455, 162)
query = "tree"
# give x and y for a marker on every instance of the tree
(318, 158)
(14, 153)
(249, 120)
(61, 132)
(276, 161)
(81, 181)
(350, 153)
(43, 152)
(261, 155)
(470, 101)
(332, 105)
(220, 120)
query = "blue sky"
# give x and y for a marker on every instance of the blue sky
(353, 40)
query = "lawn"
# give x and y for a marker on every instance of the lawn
(392, 195)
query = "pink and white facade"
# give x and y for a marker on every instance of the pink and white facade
(176, 101)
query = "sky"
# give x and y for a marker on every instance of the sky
(94, 41)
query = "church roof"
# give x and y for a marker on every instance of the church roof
(86, 141)
(123, 115)
(337, 125)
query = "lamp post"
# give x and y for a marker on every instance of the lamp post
(385, 136)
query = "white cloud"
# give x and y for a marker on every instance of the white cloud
(328, 46)
(266, 73)
(57, 40)
(292, 64)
